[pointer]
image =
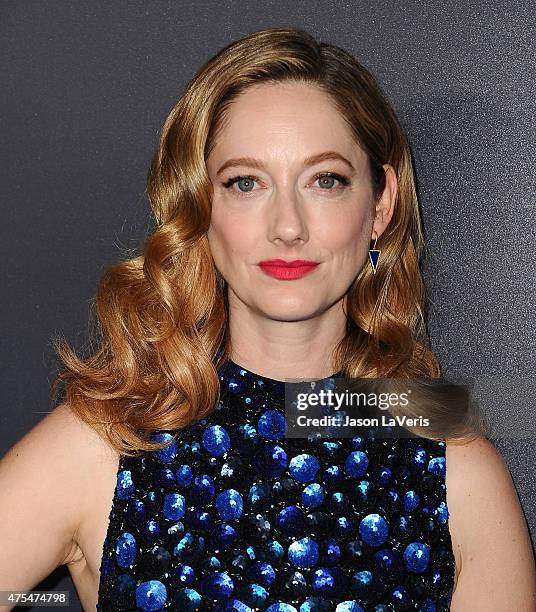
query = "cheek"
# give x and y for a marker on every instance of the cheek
(344, 234)
(230, 237)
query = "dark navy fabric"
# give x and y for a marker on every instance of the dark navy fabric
(236, 516)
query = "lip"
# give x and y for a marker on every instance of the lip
(287, 270)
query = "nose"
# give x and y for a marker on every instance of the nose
(286, 218)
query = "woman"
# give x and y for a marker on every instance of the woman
(164, 479)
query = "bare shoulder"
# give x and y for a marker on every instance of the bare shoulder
(85, 453)
(481, 451)
(480, 463)
(477, 472)
(78, 435)
(63, 450)
(47, 480)
(489, 532)
(64, 441)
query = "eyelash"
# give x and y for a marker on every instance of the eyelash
(339, 177)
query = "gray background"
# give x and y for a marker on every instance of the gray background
(87, 85)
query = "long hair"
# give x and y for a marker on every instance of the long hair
(162, 316)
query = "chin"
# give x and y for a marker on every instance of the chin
(286, 311)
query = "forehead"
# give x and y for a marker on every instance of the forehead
(285, 120)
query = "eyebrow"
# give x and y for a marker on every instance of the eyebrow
(308, 161)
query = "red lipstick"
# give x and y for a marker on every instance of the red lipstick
(287, 270)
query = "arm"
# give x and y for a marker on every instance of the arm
(487, 525)
(41, 484)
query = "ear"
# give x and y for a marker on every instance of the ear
(385, 205)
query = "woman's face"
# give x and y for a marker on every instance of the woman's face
(285, 209)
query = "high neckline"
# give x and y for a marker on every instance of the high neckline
(240, 370)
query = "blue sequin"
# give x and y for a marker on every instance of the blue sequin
(270, 460)
(203, 489)
(356, 463)
(229, 504)
(291, 520)
(217, 584)
(125, 549)
(184, 574)
(362, 583)
(174, 506)
(437, 465)
(442, 512)
(303, 553)
(233, 605)
(383, 475)
(400, 596)
(188, 600)
(349, 606)
(304, 467)
(262, 573)
(166, 455)
(235, 516)
(364, 493)
(125, 486)
(272, 425)
(387, 562)
(136, 512)
(259, 494)
(216, 440)
(313, 495)
(416, 556)
(281, 607)
(151, 595)
(327, 581)
(411, 501)
(331, 552)
(223, 536)
(428, 606)
(374, 529)
(420, 456)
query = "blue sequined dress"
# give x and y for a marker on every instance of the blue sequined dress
(236, 516)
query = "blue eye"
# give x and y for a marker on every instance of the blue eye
(247, 181)
(326, 179)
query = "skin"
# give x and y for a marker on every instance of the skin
(286, 327)
(58, 481)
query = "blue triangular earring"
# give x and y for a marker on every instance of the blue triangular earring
(374, 255)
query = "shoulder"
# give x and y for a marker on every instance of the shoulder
(48, 480)
(477, 479)
(85, 452)
(476, 460)
(69, 440)
(487, 526)
(62, 437)
(80, 432)
(479, 447)
(477, 471)
(60, 458)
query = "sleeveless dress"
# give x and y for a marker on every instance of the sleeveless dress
(236, 516)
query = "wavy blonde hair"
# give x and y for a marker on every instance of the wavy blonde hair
(162, 316)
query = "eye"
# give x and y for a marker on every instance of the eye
(326, 180)
(244, 181)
